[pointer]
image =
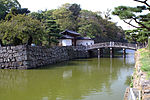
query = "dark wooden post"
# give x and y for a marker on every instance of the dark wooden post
(111, 52)
(124, 52)
(98, 53)
(101, 52)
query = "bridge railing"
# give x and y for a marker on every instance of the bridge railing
(112, 44)
(125, 44)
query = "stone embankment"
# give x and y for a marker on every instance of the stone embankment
(26, 57)
(140, 79)
(141, 83)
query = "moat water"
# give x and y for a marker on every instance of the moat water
(82, 79)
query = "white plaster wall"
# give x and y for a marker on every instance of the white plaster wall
(85, 42)
(65, 42)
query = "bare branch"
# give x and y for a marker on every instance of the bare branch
(129, 23)
(143, 26)
(145, 2)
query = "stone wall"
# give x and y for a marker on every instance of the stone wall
(13, 57)
(141, 83)
(140, 79)
(26, 57)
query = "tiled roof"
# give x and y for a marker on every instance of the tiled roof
(66, 37)
(84, 38)
(69, 31)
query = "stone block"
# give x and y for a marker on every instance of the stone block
(1, 60)
(146, 97)
(13, 47)
(8, 48)
(4, 51)
(9, 51)
(13, 59)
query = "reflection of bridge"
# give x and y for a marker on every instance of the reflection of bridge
(111, 45)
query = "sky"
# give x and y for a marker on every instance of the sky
(93, 5)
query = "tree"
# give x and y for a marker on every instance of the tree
(51, 27)
(3, 10)
(75, 9)
(66, 16)
(19, 28)
(132, 15)
(52, 30)
(88, 24)
(63, 17)
(38, 15)
(107, 14)
(15, 11)
(91, 24)
(6, 5)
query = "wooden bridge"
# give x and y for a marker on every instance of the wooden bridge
(113, 45)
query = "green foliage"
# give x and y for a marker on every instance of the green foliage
(125, 12)
(37, 15)
(19, 28)
(149, 43)
(129, 80)
(145, 60)
(45, 26)
(15, 11)
(71, 17)
(137, 35)
(75, 9)
(3, 10)
(63, 18)
(88, 24)
(51, 28)
(132, 15)
(66, 16)
(131, 85)
(6, 5)
(91, 24)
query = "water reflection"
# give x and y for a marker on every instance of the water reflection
(86, 79)
(67, 74)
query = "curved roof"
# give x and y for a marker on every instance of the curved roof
(84, 38)
(69, 32)
(66, 37)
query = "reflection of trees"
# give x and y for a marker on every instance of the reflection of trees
(86, 77)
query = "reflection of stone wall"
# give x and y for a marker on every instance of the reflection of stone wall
(24, 57)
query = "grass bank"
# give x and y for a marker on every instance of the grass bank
(145, 60)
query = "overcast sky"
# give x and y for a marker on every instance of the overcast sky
(94, 5)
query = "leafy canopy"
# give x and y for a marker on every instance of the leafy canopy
(21, 27)
(137, 17)
(6, 5)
